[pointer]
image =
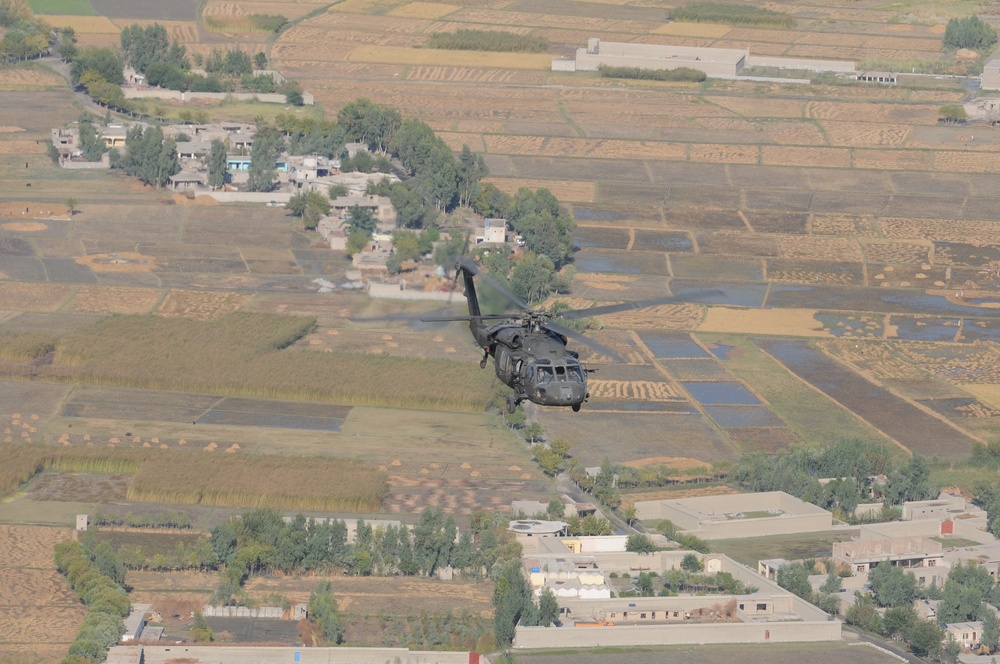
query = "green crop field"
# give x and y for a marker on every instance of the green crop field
(62, 7)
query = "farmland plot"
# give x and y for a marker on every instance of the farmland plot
(37, 603)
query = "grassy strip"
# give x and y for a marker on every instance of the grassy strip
(711, 12)
(684, 74)
(270, 23)
(248, 354)
(25, 345)
(809, 413)
(488, 40)
(230, 480)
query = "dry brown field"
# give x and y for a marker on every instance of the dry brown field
(738, 171)
(202, 304)
(229, 8)
(38, 605)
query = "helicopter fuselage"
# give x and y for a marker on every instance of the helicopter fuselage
(528, 356)
(537, 365)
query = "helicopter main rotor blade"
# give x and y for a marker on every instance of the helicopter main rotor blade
(399, 316)
(576, 336)
(445, 319)
(498, 287)
(640, 304)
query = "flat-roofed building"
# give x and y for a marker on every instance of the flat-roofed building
(739, 515)
(717, 61)
(907, 552)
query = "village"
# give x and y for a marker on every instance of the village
(300, 175)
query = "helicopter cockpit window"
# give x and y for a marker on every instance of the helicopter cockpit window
(561, 374)
(544, 374)
(574, 372)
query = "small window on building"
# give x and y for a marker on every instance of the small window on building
(861, 568)
(741, 607)
(931, 563)
(922, 580)
(642, 615)
(761, 607)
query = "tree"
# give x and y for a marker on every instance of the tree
(691, 563)
(260, 60)
(547, 459)
(267, 144)
(532, 277)
(629, 513)
(406, 245)
(970, 32)
(447, 252)
(991, 629)
(301, 202)
(357, 240)
(217, 165)
(511, 600)
(639, 543)
(925, 638)
(832, 584)
(361, 219)
(864, 616)
(337, 190)
(891, 585)
(898, 622)
(71, 204)
(200, 630)
(325, 614)
(548, 608)
(295, 98)
(471, 169)
(794, 577)
(90, 143)
(952, 113)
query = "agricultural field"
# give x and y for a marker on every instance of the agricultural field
(41, 612)
(831, 241)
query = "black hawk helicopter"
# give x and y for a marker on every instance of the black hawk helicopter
(529, 349)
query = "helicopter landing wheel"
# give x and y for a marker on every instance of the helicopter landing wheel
(576, 408)
(511, 405)
(482, 363)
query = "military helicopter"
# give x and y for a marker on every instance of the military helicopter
(529, 349)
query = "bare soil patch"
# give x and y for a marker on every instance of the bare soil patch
(119, 262)
(33, 210)
(24, 226)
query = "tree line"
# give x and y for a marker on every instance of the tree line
(681, 74)
(98, 579)
(851, 463)
(24, 35)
